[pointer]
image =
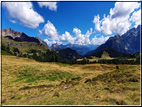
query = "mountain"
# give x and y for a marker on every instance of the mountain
(127, 43)
(42, 42)
(10, 33)
(68, 54)
(13, 42)
(20, 37)
(21, 45)
(81, 49)
(56, 47)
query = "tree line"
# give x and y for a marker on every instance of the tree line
(38, 55)
(108, 61)
(49, 56)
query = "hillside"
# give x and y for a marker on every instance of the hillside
(21, 45)
(113, 53)
(68, 54)
(24, 46)
(32, 50)
(27, 82)
(126, 43)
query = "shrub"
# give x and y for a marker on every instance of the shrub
(88, 80)
(133, 80)
(117, 67)
(56, 94)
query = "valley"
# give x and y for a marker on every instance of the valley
(35, 74)
(71, 53)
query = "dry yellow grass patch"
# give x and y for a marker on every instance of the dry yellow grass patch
(27, 82)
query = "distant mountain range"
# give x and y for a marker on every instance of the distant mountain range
(80, 49)
(127, 43)
(115, 46)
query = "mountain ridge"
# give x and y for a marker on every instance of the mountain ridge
(81, 49)
(126, 43)
(20, 37)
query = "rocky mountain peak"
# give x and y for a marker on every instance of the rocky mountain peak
(126, 43)
(20, 37)
(10, 32)
(41, 41)
(55, 45)
(117, 36)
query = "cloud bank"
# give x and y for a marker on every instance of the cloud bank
(52, 35)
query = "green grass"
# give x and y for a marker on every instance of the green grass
(32, 73)
(24, 47)
(120, 81)
(27, 82)
(4, 52)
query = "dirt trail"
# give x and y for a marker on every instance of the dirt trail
(38, 97)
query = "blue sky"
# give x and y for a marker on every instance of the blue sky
(71, 22)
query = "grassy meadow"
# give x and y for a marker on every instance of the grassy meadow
(23, 47)
(27, 82)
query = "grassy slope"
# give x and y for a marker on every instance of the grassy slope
(23, 46)
(26, 82)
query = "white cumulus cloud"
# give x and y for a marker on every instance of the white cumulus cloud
(50, 31)
(82, 39)
(67, 38)
(50, 5)
(97, 22)
(13, 21)
(100, 40)
(24, 12)
(87, 35)
(49, 42)
(79, 38)
(123, 9)
(136, 17)
(118, 19)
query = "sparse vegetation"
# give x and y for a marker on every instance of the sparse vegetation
(27, 82)
(56, 94)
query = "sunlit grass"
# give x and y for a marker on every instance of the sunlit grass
(23, 46)
(27, 82)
